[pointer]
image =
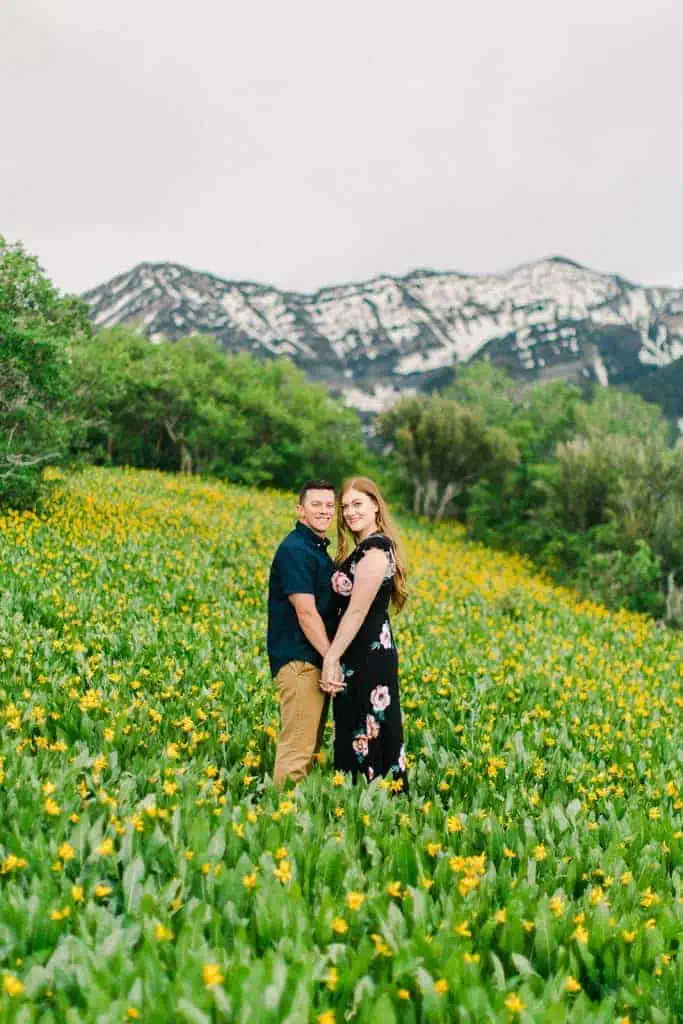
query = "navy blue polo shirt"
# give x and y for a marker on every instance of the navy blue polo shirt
(301, 566)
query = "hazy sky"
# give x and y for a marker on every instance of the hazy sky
(305, 143)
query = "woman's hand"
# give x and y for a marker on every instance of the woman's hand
(341, 584)
(332, 677)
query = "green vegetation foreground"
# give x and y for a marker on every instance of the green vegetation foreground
(149, 870)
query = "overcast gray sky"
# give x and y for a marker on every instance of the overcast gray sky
(305, 143)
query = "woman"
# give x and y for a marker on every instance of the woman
(367, 714)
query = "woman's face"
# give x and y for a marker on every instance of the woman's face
(359, 511)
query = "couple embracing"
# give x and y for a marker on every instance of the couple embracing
(330, 638)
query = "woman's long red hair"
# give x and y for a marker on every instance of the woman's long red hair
(385, 525)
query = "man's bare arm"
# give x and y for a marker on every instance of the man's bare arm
(311, 624)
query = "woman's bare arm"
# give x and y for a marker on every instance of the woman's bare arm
(370, 572)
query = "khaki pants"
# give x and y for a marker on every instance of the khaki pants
(303, 710)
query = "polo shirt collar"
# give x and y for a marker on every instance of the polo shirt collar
(320, 542)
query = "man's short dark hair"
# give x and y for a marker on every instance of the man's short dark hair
(315, 485)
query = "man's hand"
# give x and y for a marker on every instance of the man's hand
(332, 678)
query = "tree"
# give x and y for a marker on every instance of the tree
(488, 388)
(37, 325)
(622, 414)
(537, 416)
(618, 468)
(633, 483)
(444, 448)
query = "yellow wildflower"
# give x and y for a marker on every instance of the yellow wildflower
(283, 872)
(12, 986)
(60, 915)
(212, 975)
(557, 906)
(11, 863)
(354, 900)
(514, 1003)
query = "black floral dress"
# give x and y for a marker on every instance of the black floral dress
(368, 729)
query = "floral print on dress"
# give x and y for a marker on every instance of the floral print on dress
(380, 699)
(371, 727)
(341, 584)
(384, 638)
(360, 745)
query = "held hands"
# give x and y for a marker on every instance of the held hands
(332, 678)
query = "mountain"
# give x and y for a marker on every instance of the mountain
(372, 340)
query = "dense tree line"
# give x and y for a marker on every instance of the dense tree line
(114, 397)
(591, 490)
(186, 406)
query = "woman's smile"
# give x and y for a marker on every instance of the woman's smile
(360, 512)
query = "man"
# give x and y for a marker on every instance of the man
(301, 620)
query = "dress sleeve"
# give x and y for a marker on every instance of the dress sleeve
(380, 542)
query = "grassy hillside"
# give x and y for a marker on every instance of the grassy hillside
(149, 871)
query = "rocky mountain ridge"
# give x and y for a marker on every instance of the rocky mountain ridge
(372, 340)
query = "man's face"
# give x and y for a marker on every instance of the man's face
(317, 511)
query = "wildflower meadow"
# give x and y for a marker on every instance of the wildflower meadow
(150, 871)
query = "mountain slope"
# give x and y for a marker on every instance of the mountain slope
(373, 339)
